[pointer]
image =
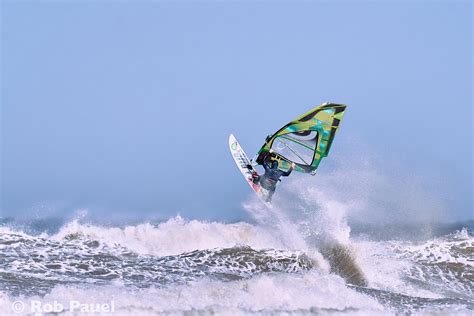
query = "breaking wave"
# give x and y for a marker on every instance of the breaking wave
(181, 265)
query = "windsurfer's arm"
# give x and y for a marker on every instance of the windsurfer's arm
(267, 161)
(266, 165)
(288, 172)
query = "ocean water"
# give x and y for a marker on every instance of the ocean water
(304, 255)
(197, 267)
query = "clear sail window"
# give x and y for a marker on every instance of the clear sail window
(298, 147)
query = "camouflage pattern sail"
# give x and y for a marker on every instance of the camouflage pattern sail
(304, 141)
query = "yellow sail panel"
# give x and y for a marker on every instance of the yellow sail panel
(305, 140)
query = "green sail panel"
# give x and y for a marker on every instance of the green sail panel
(305, 140)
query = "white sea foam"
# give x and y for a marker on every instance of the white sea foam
(385, 269)
(386, 265)
(285, 293)
(451, 249)
(174, 236)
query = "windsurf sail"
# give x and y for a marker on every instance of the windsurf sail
(305, 140)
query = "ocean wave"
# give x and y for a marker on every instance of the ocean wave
(194, 257)
(172, 237)
(272, 293)
(444, 264)
(81, 253)
(455, 248)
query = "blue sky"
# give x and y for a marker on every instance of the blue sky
(125, 107)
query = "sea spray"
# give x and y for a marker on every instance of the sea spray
(304, 218)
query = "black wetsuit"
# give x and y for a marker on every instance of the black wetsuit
(271, 176)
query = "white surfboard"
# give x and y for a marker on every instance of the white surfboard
(242, 161)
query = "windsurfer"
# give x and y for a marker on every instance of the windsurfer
(272, 175)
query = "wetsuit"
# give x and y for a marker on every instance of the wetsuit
(272, 175)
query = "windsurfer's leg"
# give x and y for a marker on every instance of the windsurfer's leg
(255, 178)
(270, 195)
